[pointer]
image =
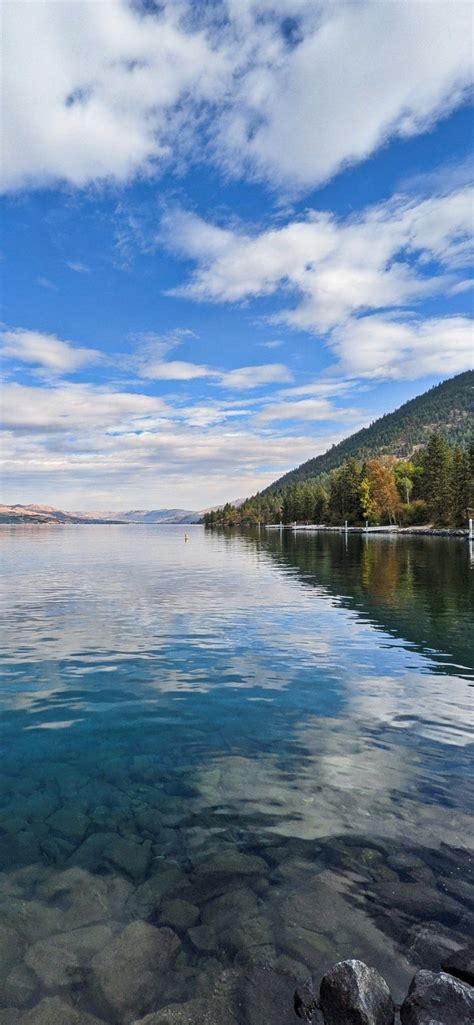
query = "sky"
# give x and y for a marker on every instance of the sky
(234, 232)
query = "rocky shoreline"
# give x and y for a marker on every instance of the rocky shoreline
(351, 993)
(393, 530)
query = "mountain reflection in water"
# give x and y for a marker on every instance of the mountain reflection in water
(229, 763)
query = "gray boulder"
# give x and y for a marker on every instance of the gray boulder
(435, 998)
(351, 993)
(461, 964)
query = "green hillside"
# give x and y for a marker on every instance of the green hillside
(448, 409)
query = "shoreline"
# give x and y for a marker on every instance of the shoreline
(394, 530)
(459, 532)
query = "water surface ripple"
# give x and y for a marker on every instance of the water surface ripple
(227, 764)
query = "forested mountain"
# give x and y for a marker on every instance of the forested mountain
(412, 467)
(447, 409)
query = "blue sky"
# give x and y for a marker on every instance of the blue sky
(233, 233)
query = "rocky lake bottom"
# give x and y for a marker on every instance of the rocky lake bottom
(226, 766)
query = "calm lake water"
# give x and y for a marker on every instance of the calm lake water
(227, 764)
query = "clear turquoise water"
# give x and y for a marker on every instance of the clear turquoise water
(227, 764)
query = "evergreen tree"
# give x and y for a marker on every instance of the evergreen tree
(437, 479)
(344, 496)
(460, 487)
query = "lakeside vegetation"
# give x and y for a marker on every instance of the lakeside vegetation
(434, 486)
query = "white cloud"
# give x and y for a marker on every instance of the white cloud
(46, 283)
(78, 267)
(63, 442)
(380, 258)
(175, 370)
(362, 73)
(320, 388)
(76, 408)
(376, 347)
(99, 91)
(89, 86)
(45, 351)
(244, 378)
(305, 409)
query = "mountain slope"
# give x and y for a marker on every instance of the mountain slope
(160, 516)
(36, 514)
(48, 514)
(447, 408)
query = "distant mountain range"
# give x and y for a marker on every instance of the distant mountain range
(447, 408)
(36, 514)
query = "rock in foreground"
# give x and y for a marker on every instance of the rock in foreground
(353, 992)
(435, 998)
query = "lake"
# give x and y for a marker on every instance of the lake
(227, 764)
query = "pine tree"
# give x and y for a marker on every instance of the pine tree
(436, 479)
(460, 487)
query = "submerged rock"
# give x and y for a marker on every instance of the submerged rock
(11, 949)
(428, 944)
(190, 1013)
(129, 972)
(204, 938)
(419, 901)
(436, 998)
(127, 854)
(30, 918)
(461, 964)
(20, 986)
(54, 1011)
(266, 996)
(85, 898)
(146, 899)
(218, 1007)
(60, 961)
(351, 992)
(232, 862)
(179, 914)
(72, 824)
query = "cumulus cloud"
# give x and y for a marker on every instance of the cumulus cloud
(89, 86)
(175, 370)
(287, 91)
(336, 272)
(382, 257)
(350, 77)
(376, 347)
(45, 351)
